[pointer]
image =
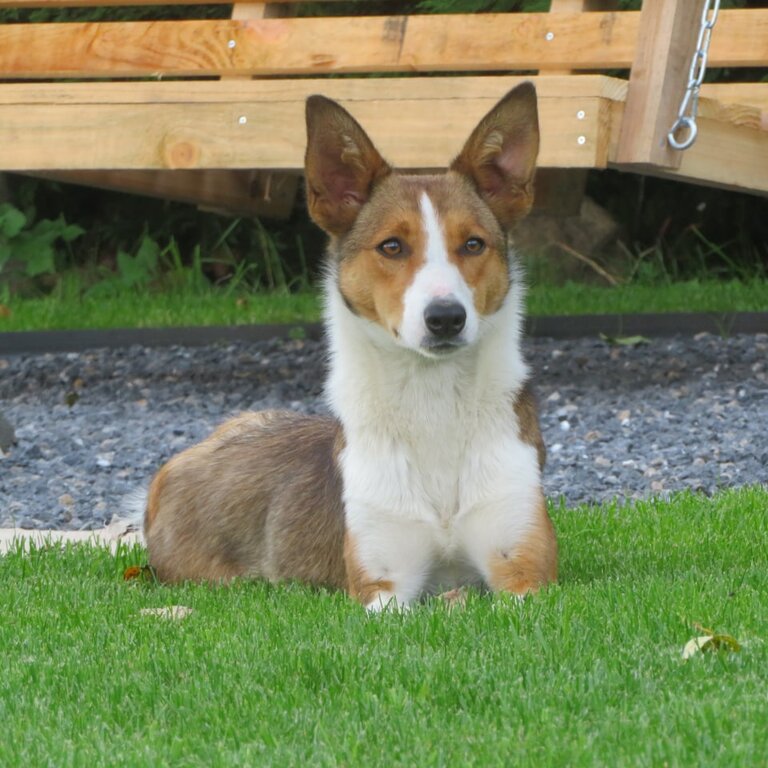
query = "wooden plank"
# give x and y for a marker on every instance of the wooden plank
(319, 45)
(666, 43)
(730, 152)
(754, 94)
(260, 133)
(578, 6)
(117, 3)
(304, 46)
(485, 42)
(491, 87)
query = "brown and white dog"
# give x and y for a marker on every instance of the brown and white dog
(427, 476)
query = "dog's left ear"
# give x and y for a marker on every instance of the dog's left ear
(341, 165)
(500, 155)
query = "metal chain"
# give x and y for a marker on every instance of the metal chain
(695, 79)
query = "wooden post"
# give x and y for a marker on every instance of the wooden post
(665, 44)
(560, 191)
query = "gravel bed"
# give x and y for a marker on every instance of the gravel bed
(619, 422)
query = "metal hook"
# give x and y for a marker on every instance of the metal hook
(686, 122)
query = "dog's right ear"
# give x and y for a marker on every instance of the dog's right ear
(341, 165)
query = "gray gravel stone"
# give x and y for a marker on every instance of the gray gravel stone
(619, 422)
(7, 435)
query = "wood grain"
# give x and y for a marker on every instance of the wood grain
(729, 153)
(349, 90)
(665, 46)
(755, 94)
(485, 42)
(121, 125)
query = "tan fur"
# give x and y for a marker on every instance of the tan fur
(227, 508)
(371, 283)
(359, 584)
(527, 414)
(532, 564)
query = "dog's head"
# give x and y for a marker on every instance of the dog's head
(423, 256)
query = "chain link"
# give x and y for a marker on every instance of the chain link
(686, 114)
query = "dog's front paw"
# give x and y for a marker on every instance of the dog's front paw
(388, 601)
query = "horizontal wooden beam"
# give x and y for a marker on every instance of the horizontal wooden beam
(258, 124)
(240, 193)
(350, 89)
(477, 42)
(753, 94)
(730, 151)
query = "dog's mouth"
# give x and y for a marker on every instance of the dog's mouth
(441, 347)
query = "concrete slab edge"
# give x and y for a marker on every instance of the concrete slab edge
(579, 326)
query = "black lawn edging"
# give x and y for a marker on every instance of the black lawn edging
(578, 326)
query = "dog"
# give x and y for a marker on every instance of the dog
(427, 475)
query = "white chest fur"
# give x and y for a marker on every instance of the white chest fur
(434, 470)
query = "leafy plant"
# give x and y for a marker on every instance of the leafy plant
(32, 247)
(139, 269)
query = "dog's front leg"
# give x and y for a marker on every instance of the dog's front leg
(387, 560)
(512, 544)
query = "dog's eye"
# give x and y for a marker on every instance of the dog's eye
(391, 248)
(473, 246)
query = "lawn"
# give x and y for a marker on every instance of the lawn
(185, 306)
(588, 673)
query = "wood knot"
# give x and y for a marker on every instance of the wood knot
(181, 154)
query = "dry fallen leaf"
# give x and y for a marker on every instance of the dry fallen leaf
(625, 341)
(5, 311)
(171, 612)
(711, 642)
(139, 572)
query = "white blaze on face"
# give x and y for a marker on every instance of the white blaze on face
(438, 278)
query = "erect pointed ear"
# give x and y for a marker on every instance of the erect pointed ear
(500, 155)
(341, 165)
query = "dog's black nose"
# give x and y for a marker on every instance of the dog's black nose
(445, 318)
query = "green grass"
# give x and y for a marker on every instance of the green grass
(690, 296)
(134, 309)
(588, 673)
(186, 306)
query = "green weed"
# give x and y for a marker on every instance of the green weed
(30, 247)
